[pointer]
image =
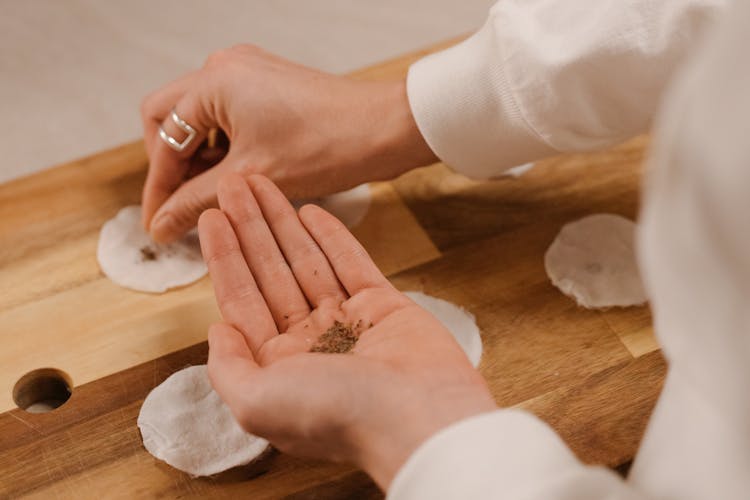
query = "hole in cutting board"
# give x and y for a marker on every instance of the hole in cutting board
(42, 390)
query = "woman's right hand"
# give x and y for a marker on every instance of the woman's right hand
(312, 133)
(282, 280)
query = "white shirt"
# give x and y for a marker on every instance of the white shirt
(544, 76)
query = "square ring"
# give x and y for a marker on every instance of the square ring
(185, 127)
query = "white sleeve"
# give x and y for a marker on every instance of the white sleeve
(503, 454)
(694, 249)
(548, 76)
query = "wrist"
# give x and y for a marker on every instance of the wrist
(382, 447)
(394, 143)
(365, 132)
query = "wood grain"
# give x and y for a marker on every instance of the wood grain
(592, 375)
(555, 191)
(62, 312)
(602, 418)
(91, 444)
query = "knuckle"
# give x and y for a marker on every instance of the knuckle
(245, 167)
(193, 205)
(235, 295)
(245, 48)
(229, 54)
(275, 213)
(241, 215)
(349, 255)
(278, 270)
(219, 254)
(218, 58)
(227, 57)
(186, 208)
(147, 104)
(306, 254)
(335, 230)
(270, 265)
(242, 168)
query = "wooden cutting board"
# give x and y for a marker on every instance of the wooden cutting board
(594, 376)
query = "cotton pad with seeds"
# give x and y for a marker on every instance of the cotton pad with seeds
(129, 257)
(350, 207)
(184, 423)
(593, 260)
(457, 320)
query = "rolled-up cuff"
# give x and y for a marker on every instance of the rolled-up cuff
(466, 111)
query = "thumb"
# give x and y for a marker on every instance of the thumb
(181, 211)
(232, 369)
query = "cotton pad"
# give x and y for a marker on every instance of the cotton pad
(184, 423)
(129, 257)
(456, 320)
(350, 207)
(593, 261)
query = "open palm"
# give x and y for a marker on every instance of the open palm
(282, 280)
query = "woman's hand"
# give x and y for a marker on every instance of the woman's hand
(312, 133)
(282, 280)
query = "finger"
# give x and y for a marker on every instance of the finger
(267, 264)
(241, 303)
(309, 265)
(232, 370)
(350, 261)
(180, 212)
(157, 105)
(168, 168)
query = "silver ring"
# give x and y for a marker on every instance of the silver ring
(185, 127)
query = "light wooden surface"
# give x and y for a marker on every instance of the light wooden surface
(593, 375)
(57, 309)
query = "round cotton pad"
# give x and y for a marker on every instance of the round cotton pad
(593, 260)
(350, 207)
(130, 258)
(184, 423)
(457, 320)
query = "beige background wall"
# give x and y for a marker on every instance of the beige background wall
(72, 72)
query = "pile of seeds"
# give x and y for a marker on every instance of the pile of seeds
(340, 338)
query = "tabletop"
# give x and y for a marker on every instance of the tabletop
(592, 375)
